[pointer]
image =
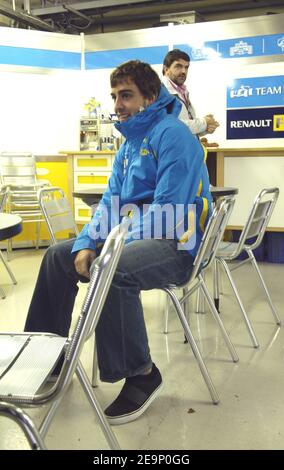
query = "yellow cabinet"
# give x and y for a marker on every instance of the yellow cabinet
(91, 170)
(92, 163)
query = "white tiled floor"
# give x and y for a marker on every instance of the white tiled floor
(251, 412)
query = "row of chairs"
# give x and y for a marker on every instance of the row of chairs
(55, 211)
(222, 253)
(29, 348)
(18, 195)
(22, 389)
(34, 200)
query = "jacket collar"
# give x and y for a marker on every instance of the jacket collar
(136, 126)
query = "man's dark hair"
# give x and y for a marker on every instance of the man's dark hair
(144, 77)
(175, 54)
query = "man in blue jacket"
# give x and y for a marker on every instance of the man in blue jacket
(160, 171)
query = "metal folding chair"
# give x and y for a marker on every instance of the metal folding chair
(18, 175)
(27, 359)
(3, 198)
(255, 226)
(204, 258)
(57, 212)
(26, 424)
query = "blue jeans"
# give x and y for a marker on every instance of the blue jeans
(121, 336)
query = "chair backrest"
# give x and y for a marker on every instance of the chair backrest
(102, 272)
(57, 211)
(17, 168)
(258, 218)
(3, 197)
(213, 234)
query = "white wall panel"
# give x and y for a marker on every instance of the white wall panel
(250, 175)
(40, 113)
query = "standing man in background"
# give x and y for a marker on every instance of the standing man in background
(175, 70)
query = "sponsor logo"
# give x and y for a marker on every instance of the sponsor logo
(197, 54)
(255, 123)
(278, 122)
(280, 43)
(251, 123)
(144, 152)
(252, 92)
(241, 48)
(244, 91)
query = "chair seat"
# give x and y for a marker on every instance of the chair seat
(35, 359)
(226, 249)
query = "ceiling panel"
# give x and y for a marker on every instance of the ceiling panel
(99, 16)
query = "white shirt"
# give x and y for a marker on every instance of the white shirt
(187, 113)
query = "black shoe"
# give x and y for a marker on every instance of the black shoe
(136, 395)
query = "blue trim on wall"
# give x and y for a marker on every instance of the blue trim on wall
(229, 48)
(236, 48)
(111, 59)
(40, 58)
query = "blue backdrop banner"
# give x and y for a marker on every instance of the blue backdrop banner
(256, 123)
(256, 91)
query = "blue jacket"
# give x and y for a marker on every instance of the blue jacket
(161, 164)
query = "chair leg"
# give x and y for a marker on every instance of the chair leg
(246, 319)
(45, 424)
(9, 249)
(95, 366)
(85, 383)
(255, 265)
(216, 316)
(37, 234)
(200, 304)
(167, 308)
(185, 309)
(194, 347)
(2, 293)
(216, 285)
(8, 268)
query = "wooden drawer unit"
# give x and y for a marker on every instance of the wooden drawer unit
(95, 180)
(91, 170)
(93, 163)
(87, 170)
(83, 213)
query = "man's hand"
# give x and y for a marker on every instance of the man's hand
(83, 262)
(212, 124)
